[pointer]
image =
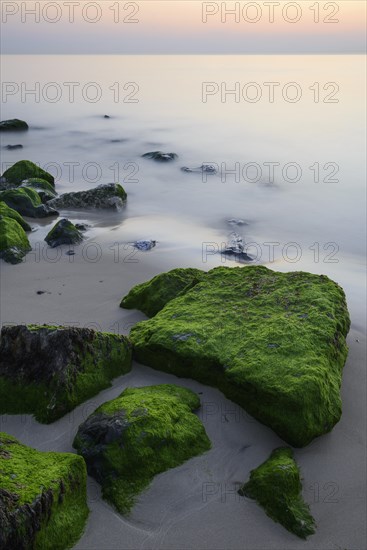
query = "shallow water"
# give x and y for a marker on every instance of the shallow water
(318, 226)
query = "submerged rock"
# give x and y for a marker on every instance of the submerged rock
(13, 124)
(276, 486)
(47, 371)
(144, 245)
(203, 169)
(43, 497)
(141, 433)
(7, 212)
(64, 232)
(110, 195)
(25, 169)
(152, 296)
(12, 147)
(236, 248)
(232, 315)
(14, 243)
(27, 202)
(162, 157)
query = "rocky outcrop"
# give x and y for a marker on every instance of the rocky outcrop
(49, 370)
(110, 195)
(160, 156)
(64, 232)
(276, 486)
(42, 497)
(141, 433)
(272, 342)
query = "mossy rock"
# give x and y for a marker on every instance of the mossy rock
(27, 202)
(47, 371)
(44, 188)
(7, 212)
(13, 124)
(25, 169)
(14, 243)
(141, 433)
(107, 196)
(272, 342)
(152, 296)
(64, 232)
(276, 486)
(42, 497)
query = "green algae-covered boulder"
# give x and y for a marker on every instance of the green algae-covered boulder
(25, 169)
(14, 243)
(42, 497)
(13, 124)
(276, 486)
(141, 433)
(272, 342)
(64, 232)
(107, 196)
(27, 202)
(47, 371)
(152, 296)
(7, 212)
(44, 188)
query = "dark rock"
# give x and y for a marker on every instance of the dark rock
(25, 169)
(64, 232)
(13, 125)
(110, 195)
(12, 147)
(48, 370)
(236, 248)
(161, 157)
(14, 242)
(203, 169)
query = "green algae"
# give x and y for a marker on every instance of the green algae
(48, 371)
(27, 202)
(42, 497)
(272, 342)
(141, 433)
(152, 296)
(276, 486)
(14, 243)
(7, 212)
(44, 188)
(13, 125)
(63, 232)
(25, 169)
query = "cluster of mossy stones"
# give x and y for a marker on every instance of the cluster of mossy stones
(272, 342)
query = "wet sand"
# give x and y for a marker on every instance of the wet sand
(196, 505)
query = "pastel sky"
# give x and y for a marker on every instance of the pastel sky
(182, 27)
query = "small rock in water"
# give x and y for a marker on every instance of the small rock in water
(204, 168)
(64, 232)
(233, 221)
(106, 116)
(81, 226)
(39, 292)
(70, 253)
(144, 245)
(162, 157)
(236, 247)
(13, 124)
(11, 147)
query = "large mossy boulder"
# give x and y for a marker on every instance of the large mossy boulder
(272, 342)
(276, 486)
(42, 497)
(109, 195)
(152, 296)
(14, 243)
(13, 124)
(47, 371)
(25, 169)
(64, 232)
(27, 202)
(141, 433)
(8, 212)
